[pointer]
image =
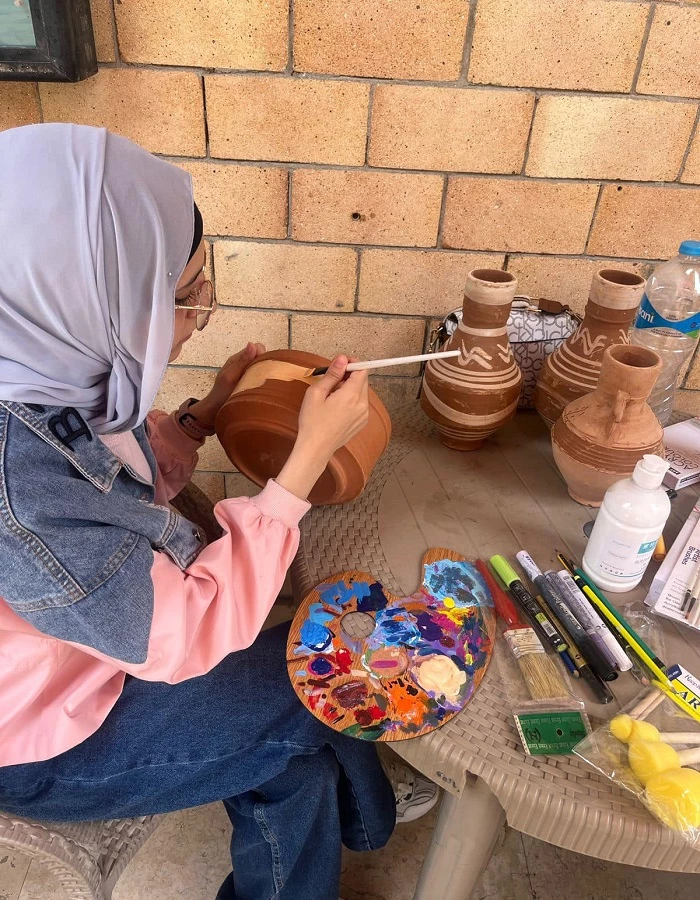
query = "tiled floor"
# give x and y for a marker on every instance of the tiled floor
(187, 858)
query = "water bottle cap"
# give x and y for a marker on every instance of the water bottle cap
(649, 471)
(689, 248)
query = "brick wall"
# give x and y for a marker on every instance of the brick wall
(353, 159)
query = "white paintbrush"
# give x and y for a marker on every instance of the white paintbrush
(396, 361)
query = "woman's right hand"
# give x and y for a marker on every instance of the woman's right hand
(334, 410)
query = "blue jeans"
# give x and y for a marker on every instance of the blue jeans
(293, 788)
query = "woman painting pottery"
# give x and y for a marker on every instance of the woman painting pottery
(133, 675)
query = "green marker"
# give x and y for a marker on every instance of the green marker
(511, 579)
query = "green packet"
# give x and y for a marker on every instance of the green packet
(550, 730)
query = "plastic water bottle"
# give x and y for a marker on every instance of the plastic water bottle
(668, 321)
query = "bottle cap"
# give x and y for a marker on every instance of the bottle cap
(649, 471)
(689, 248)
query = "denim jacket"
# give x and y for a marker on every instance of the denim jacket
(77, 532)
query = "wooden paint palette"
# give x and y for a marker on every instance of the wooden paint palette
(384, 668)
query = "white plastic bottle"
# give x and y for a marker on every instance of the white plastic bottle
(668, 321)
(629, 523)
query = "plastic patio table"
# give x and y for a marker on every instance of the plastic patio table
(506, 496)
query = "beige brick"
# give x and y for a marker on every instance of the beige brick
(671, 57)
(609, 137)
(417, 282)
(180, 383)
(510, 214)
(287, 119)
(644, 222)
(367, 337)
(577, 44)
(19, 105)
(691, 171)
(286, 276)
(564, 278)
(395, 392)
(450, 129)
(229, 331)
(688, 402)
(211, 483)
(162, 111)
(381, 38)
(245, 34)
(366, 207)
(102, 25)
(244, 201)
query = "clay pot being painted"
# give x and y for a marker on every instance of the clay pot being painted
(599, 438)
(258, 425)
(470, 396)
(574, 367)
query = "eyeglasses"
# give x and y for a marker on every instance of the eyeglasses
(200, 300)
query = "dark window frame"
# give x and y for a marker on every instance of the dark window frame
(65, 44)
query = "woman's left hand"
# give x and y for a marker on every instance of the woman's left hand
(230, 374)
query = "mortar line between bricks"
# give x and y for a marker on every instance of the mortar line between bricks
(526, 155)
(468, 40)
(289, 332)
(441, 217)
(694, 132)
(365, 79)
(370, 111)
(593, 217)
(39, 101)
(289, 204)
(455, 251)
(387, 170)
(115, 36)
(290, 40)
(207, 149)
(358, 270)
(643, 48)
(350, 314)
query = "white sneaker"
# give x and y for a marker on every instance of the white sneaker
(414, 797)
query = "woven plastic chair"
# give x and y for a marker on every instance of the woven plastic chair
(87, 858)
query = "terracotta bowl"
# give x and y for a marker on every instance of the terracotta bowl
(258, 425)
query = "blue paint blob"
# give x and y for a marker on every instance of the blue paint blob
(395, 626)
(314, 636)
(459, 581)
(321, 666)
(375, 601)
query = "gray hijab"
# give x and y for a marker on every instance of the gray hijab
(94, 235)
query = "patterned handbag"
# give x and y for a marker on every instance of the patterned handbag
(536, 327)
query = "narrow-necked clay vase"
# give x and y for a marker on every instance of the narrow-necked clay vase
(573, 369)
(472, 395)
(258, 425)
(599, 438)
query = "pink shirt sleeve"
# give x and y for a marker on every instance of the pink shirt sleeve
(175, 452)
(219, 604)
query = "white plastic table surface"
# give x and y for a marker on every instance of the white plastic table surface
(502, 498)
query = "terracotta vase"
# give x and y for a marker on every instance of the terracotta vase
(471, 396)
(258, 425)
(573, 369)
(599, 438)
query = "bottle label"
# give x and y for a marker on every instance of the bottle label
(626, 560)
(648, 317)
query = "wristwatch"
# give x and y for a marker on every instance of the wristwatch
(190, 424)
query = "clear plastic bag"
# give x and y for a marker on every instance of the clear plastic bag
(651, 752)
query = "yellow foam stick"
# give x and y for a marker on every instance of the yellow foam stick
(674, 797)
(626, 729)
(648, 758)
